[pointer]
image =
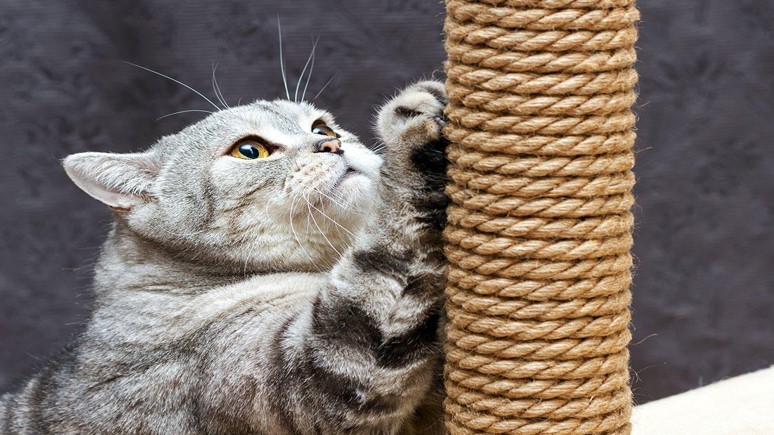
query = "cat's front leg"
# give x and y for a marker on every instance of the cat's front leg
(395, 271)
(406, 230)
(402, 248)
(368, 351)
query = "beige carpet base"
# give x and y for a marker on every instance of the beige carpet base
(743, 405)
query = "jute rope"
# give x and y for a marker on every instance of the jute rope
(538, 238)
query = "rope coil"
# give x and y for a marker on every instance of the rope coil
(538, 236)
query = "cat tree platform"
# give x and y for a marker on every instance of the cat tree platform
(743, 405)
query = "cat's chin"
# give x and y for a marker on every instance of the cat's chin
(352, 196)
(354, 187)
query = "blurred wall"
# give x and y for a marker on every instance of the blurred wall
(704, 288)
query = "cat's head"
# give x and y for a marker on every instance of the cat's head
(266, 186)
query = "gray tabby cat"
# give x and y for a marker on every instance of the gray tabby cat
(266, 274)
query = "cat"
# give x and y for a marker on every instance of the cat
(266, 273)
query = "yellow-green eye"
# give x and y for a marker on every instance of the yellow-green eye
(319, 127)
(250, 149)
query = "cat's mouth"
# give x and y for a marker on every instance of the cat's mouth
(349, 173)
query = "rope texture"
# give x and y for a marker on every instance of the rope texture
(538, 235)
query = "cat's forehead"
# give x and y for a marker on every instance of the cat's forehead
(281, 114)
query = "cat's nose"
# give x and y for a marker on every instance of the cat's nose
(330, 146)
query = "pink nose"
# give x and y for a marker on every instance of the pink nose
(330, 146)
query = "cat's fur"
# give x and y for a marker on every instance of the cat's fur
(228, 301)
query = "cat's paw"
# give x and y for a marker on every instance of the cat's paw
(411, 128)
(414, 117)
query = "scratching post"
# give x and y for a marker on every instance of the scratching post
(538, 238)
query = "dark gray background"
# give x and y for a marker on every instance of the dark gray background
(704, 288)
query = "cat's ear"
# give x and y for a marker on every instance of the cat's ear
(119, 180)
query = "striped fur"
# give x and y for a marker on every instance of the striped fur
(210, 320)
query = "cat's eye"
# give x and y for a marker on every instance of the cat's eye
(319, 127)
(250, 149)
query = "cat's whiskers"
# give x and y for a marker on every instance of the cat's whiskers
(325, 86)
(325, 195)
(310, 206)
(184, 111)
(349, 208)
(176, 81)
(320, 266)
(216, 88)
(311, 68)
(293, 229)
(303, 71)
(349, 237)
(308, 224)
(380, 146)
(332, 220)
(282, 59)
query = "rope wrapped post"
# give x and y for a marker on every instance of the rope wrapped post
(538, 236)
